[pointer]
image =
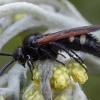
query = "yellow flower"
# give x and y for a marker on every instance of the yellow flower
(78, 72)
(60, 78)
(61, 97)
(36, 75)
(32, 94)
(59, 81)
(19, 16)
(36, 78)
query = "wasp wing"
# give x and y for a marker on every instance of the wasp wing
(67, 33)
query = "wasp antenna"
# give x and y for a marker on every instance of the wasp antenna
(5, 54)
(4, 67)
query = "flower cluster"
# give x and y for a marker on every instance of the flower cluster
(60, 80)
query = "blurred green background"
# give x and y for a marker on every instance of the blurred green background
(90, 9)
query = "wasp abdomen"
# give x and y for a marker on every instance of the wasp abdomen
(85, 43)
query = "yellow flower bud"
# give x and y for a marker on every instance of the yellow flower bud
(19, 16)
(36, 78)
(36, 75)
(32, 94)
(60, 78)
(28, 93)
(78, 72)
(61, 97)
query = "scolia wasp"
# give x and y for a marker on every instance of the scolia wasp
(41, 47)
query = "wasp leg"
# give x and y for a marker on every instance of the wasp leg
(30, 67)
(76, 56)
(51, 56)
(67, 51)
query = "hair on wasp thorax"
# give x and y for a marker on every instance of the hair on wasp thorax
(42, 47)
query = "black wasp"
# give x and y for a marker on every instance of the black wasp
(41, 47)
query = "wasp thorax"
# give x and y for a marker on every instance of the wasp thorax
(31, 40)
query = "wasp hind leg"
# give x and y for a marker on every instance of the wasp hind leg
(78, 59)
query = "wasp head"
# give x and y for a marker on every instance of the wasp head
(20, 56)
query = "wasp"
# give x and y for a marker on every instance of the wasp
(41, 47)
